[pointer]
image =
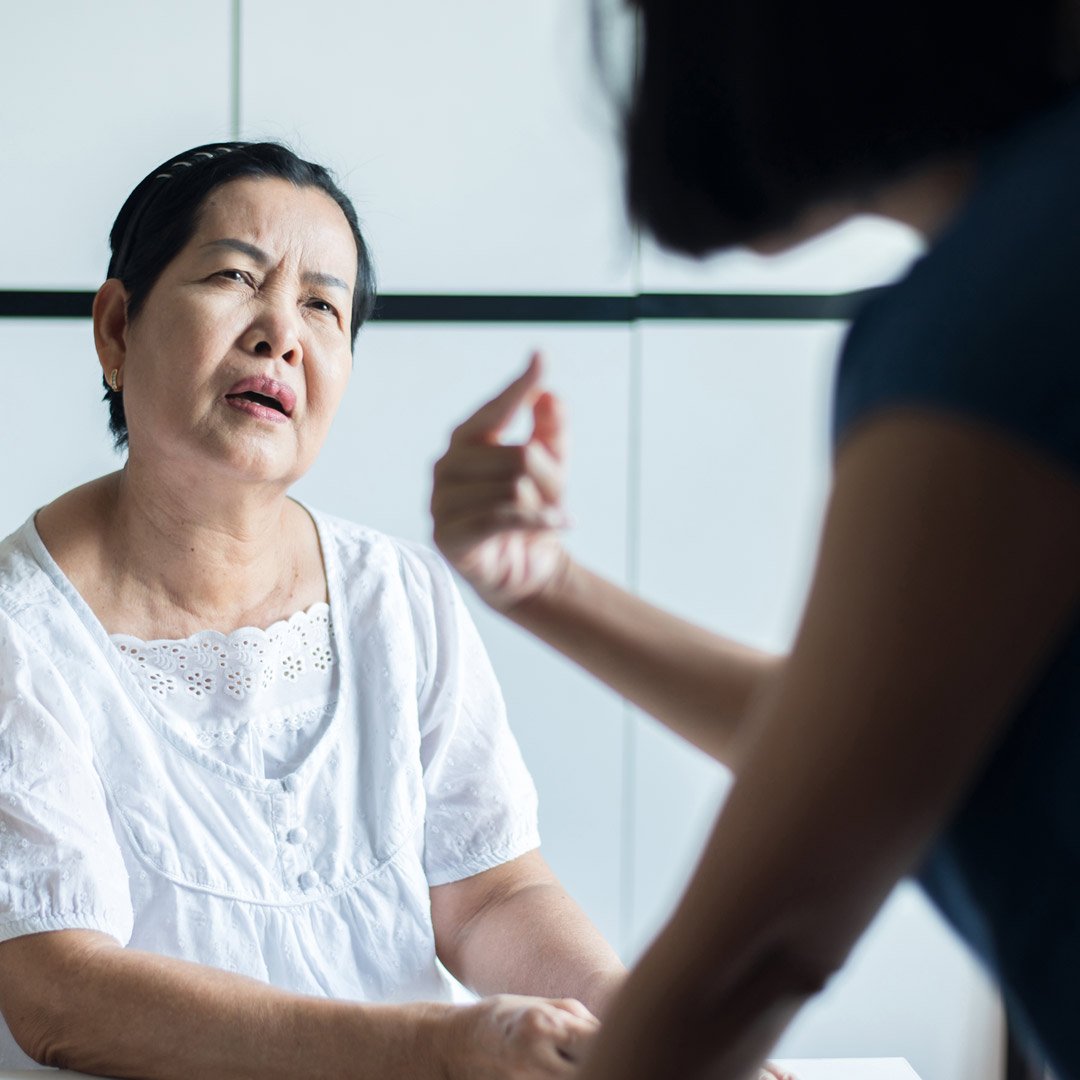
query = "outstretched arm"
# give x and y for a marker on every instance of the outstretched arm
(946, 579)
(497, 512)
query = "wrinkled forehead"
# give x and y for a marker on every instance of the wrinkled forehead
(295, 225)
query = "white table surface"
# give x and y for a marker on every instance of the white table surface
(804, 1069)
(847, 1068)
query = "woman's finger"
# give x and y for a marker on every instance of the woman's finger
(475, 461)
(485, 424)
(574, 1038)
(769, 1071)
(545, 471)
(453, 500)
(482, 524)
(572, 1005)
(549, 425)
(485, 468)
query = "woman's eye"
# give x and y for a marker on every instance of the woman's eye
(322, 305)
(234, 275)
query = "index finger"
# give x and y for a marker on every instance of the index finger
(485, 424)
(575, 1036)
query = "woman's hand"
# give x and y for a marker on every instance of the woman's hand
(517, 1038)
(769, 1071)
(497, 508)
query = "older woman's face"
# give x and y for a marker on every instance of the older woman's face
(240, 355)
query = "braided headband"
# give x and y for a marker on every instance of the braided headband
(121, 255)
(188, 164)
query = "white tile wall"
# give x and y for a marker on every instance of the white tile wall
(470, 135)
(735, 464)
(734, 470)
(410, 387)
(95, 96)
(472, 138)
(862, 252)
(54, 435)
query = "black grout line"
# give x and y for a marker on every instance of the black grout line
(440, 308)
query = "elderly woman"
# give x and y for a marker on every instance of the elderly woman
(256, 780)
(926, 720)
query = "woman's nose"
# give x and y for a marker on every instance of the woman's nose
(274, 334)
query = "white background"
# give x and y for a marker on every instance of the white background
(478, 147)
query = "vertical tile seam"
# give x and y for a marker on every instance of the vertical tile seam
(234, 70)
(627, 910)
(628, 838)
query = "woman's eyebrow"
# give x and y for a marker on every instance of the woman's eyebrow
(317, 277)
(263, 259)
(256, 253)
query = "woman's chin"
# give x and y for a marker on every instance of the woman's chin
(225, 465)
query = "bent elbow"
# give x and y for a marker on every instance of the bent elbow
(799, 974)
(48, 1029)
(41, 1035)
(783, 977)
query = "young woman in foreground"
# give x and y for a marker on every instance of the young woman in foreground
(926, 721)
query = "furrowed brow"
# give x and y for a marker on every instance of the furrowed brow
(231, 244)
(316, 277)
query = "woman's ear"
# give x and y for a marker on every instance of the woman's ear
(110, 326)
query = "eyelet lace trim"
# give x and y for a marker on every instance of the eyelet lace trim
(243, 664)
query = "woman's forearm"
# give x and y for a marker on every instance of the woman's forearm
(514, 929)
(92, 1006)
(699, 684)
(560, 955)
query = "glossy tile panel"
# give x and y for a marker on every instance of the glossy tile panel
(54, 436)
(863, 252)
(95, 96)
(410, 387)
(734, 476)
(473, 136)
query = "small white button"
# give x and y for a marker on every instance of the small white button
(309, 879)
(297, 835)
(290, 783)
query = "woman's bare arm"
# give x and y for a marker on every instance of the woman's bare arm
(75, 999)
(514, 929)
(947, 576)
(699, 684)
(497, 510)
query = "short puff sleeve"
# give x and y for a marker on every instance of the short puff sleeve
(984, 327)
(60, 864)
(481, 801)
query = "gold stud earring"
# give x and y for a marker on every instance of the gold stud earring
(112, 380)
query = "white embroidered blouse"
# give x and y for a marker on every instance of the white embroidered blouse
(255, 698)
(273, 802)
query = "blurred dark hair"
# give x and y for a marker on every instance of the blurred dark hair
(161, 215)
(745, 114)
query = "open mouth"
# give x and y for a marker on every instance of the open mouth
(261, 399)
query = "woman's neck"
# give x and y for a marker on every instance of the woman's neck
(928, 199)
(157, 560)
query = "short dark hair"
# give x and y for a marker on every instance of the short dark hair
(745, 113)
(161, 215)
